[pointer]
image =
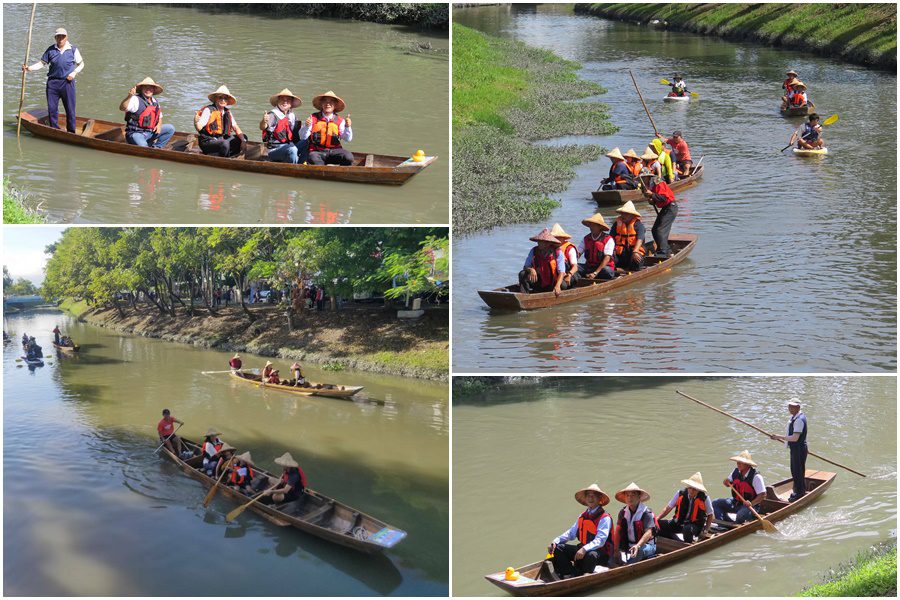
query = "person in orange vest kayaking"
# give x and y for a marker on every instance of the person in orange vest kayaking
(325, 130)
(660, 195)
(693, 512)
(143, 116)
(628, 233)
(809, 135)
(219, 133)
(748, 489)
(545, 265)
(593, 534)
(598, 248)
(636, 526)
(620, 176)
(279, 127)
(569, 252)
(633, 162)
(683, 162)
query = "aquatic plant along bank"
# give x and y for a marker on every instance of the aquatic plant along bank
(864, 34)
(17, 209)
(871, 573)
(507, 95)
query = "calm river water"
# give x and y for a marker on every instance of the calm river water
(795, 269)
(191, 52)
(90, 510)
(530, 449)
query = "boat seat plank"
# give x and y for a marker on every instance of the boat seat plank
(113, 135)
(370, 160)
(88, 128)
(355, 518)
(319, 512)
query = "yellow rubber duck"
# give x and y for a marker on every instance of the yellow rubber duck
(419, 156)
(511, 574)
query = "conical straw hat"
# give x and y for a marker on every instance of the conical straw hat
(286, 460)
(597, 219)
(628, 208)
(225, 448)
(579, 495)
(245, 457)
(147, 82)
(544, 236)
(559, 232)
(744, 457)
(339, 107)
(212, 431)
(273, 100)
(631, 154)
(615, 153)
(649, 154)
(632, 487)
(695, 481)
(223, 91)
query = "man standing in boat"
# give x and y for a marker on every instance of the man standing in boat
(795, 440)
(592, 530)
(662, 198)
(143, 116)
(65, 62)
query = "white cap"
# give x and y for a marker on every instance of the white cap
(61, 31)
(794, 401)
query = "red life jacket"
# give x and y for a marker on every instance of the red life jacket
(146, 118)
(787, 84)
(638, 528)
(662, 188)
(587, 530)
(545, 265)
(241, 479)
(285, 477)
(325, 134)
(219, 123)
(282, 133)
(593, 252)
(694, 507)
(267, 371)
(743, 485)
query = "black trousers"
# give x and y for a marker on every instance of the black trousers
(669, 527)
(229, 145)
(663, 226)
(564, 562)
(605, 273)
(798, 468)
(335, 156)
(532, 288)
(627, 260)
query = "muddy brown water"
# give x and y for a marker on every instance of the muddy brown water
(795, 268)
(191, 52)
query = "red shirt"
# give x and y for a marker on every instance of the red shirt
(165, 426)
(681, 149)
(235, 363)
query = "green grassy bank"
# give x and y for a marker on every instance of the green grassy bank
(861, 33)
(872, 573)
(15, 207)
(420, 15)
(505, 96)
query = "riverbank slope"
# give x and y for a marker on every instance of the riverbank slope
(871, 573)
(865, 34)
(364, 337)
(504, 93)
(16, 210)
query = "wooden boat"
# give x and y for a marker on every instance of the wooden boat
(331, 391)
(799, 112)
(510, 298)
(620, 197)
(805, 152)
(775, 507)
(70, 350)
(313, 513)
(110, 137)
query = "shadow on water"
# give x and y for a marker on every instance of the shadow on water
(578, 387)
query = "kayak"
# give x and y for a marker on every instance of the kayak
(676, 99)
(804, 152)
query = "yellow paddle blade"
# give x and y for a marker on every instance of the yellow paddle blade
(695, 94)
(664, 82)
(830, 120)
(236, 512)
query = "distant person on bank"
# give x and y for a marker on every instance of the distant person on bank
(65, 62)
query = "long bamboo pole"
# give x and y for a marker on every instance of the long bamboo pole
(633, 80)
(763, 431)
(27, 52)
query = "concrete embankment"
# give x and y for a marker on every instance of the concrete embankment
(360, 337)
(865, 34)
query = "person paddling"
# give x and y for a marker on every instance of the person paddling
(747, 489)
(143, 116)
(325, 130)
(679, 87)
(660, 195)
(65, 63)
(593, 534)
(809, 135)
(795, 440)
(279, 125)
(166, 430)
(235, 363)
(292, 484)
(56, 333)
(219, 132)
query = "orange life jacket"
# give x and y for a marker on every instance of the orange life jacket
(587, 530)
(216, 446)
(241, 479)
(690, 506)
(545, 265)
(564, 248)
(614, 177)
(593, 252)
(635, 168)
(625, 236)
(219, 123)
(787, 84)
(325, 134)
(798, 99)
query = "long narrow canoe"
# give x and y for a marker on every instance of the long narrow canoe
(110, 137)
(313, 513)
(799, 112)
(327, 389)
(620, 197)
(67, 349)
(775, 508)
(510, 298)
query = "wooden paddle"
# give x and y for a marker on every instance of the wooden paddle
(829, 121)
(215, 487)
(634, 81)
(236, 512)
(168, 438)
(762, 431)
(211, 372)
(27, 52)
(666, 82)
(767, 525)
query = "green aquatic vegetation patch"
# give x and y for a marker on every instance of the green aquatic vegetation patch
(872, 573)
(863, 33)
(16, 210)
(507, 94)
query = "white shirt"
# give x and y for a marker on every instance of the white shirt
(571, 256)
(204, 119)
(798, 425)
(79, 62)
(608, 248)
(345, 133)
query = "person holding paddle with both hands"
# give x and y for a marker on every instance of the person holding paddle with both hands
(166, 430)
